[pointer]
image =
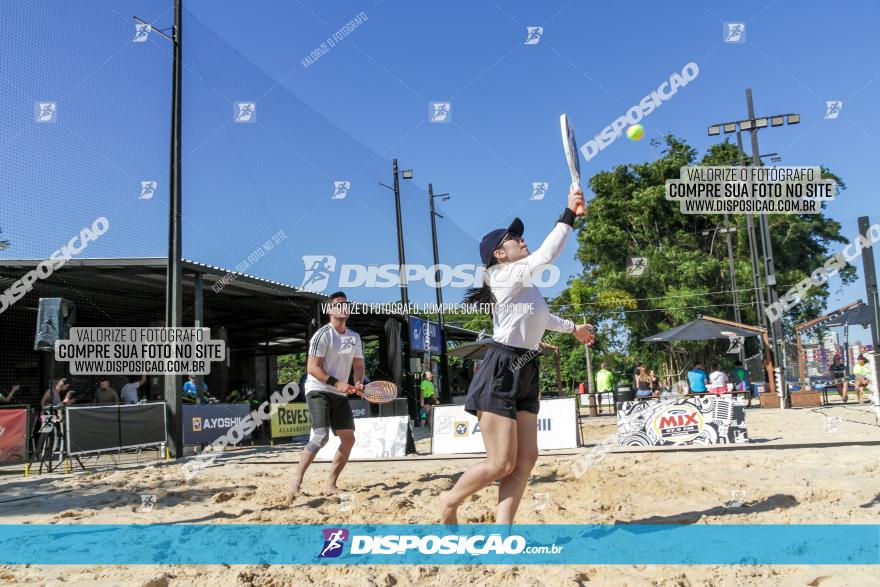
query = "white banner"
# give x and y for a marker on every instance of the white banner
(374, 438)
(455, 431)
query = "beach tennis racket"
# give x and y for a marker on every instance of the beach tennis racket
(571, 156)
(377, 392)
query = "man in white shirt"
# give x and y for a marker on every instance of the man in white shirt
(333, 351)
(129, 391)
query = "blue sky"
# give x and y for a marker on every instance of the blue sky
(366, 101)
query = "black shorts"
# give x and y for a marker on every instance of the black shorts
(430, 401)
(506, 383)
(329, 410)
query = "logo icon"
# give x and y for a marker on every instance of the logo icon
(346, 502)
(533, 36)
(461, 429)
(635, 266)
(141, 32)
(678, 423)
(334, 540)
(737, 497)
(541, 500)
(197, 424)
(148, 501)
(340, 189)
(318, 270)
(45, 112)
(736, 344)
(440, 112)
(834, 425)
(148, 189)
(832, 109)
(245, 112)
(539, 189)
(734, 32)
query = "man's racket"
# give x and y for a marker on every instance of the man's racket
(571, 155)
(377, 392)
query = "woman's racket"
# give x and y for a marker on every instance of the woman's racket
(377, 392)
(571, 155)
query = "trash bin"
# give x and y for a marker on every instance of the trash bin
(624, 393)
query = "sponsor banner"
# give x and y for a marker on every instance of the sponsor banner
(424, 336)
(681, 421)
(470, 544)
(456, 431)
(290, 420)
(13, 434)
(374, 438)
(360, 408)
(203, 424)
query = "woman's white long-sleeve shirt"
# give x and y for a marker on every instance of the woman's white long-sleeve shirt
(521, 314)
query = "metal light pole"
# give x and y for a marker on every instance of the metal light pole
(753, 124)
(174, 275)
(753, 247)
(404, 294)
(445, 396)
(873, 304)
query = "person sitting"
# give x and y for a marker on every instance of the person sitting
(740, 377)
(717, 380)
(643, 383)
(838, 373)
(697, 378)
(863, 377)
(655, 383)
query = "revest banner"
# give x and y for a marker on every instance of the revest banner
(456, 431)
(290, 420)
(374, 438)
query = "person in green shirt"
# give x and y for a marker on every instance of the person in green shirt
(604, 383)
(428, 398)
(863, 377)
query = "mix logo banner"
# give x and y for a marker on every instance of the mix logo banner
(456, 431)
(681, 421)
(374, 438)
(13, 435)
(290, 420)
(203, 424)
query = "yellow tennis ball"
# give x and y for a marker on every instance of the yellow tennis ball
(635, 132)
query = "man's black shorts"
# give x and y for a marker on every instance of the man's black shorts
(329, 410)
(506, 383)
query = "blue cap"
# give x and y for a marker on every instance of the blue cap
(493, 239)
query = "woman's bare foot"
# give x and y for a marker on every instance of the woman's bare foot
(448, 511)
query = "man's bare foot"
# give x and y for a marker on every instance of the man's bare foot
(329, 490)
(448, 511)
(294, 487)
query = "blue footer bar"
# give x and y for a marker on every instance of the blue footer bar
(551, 544)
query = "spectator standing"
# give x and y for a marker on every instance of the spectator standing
(105, 394)
(129, 392)
(863, 377)
(59, 393)
(428, 399)
(8, 398)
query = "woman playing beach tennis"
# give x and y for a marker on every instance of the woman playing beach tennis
(504, 393)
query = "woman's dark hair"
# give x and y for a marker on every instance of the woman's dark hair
(481, 295)
(716, 367)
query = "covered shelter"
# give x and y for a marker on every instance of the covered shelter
(856, 314)
(710, 328)
(259, 319)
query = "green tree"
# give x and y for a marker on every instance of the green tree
(629, 216)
